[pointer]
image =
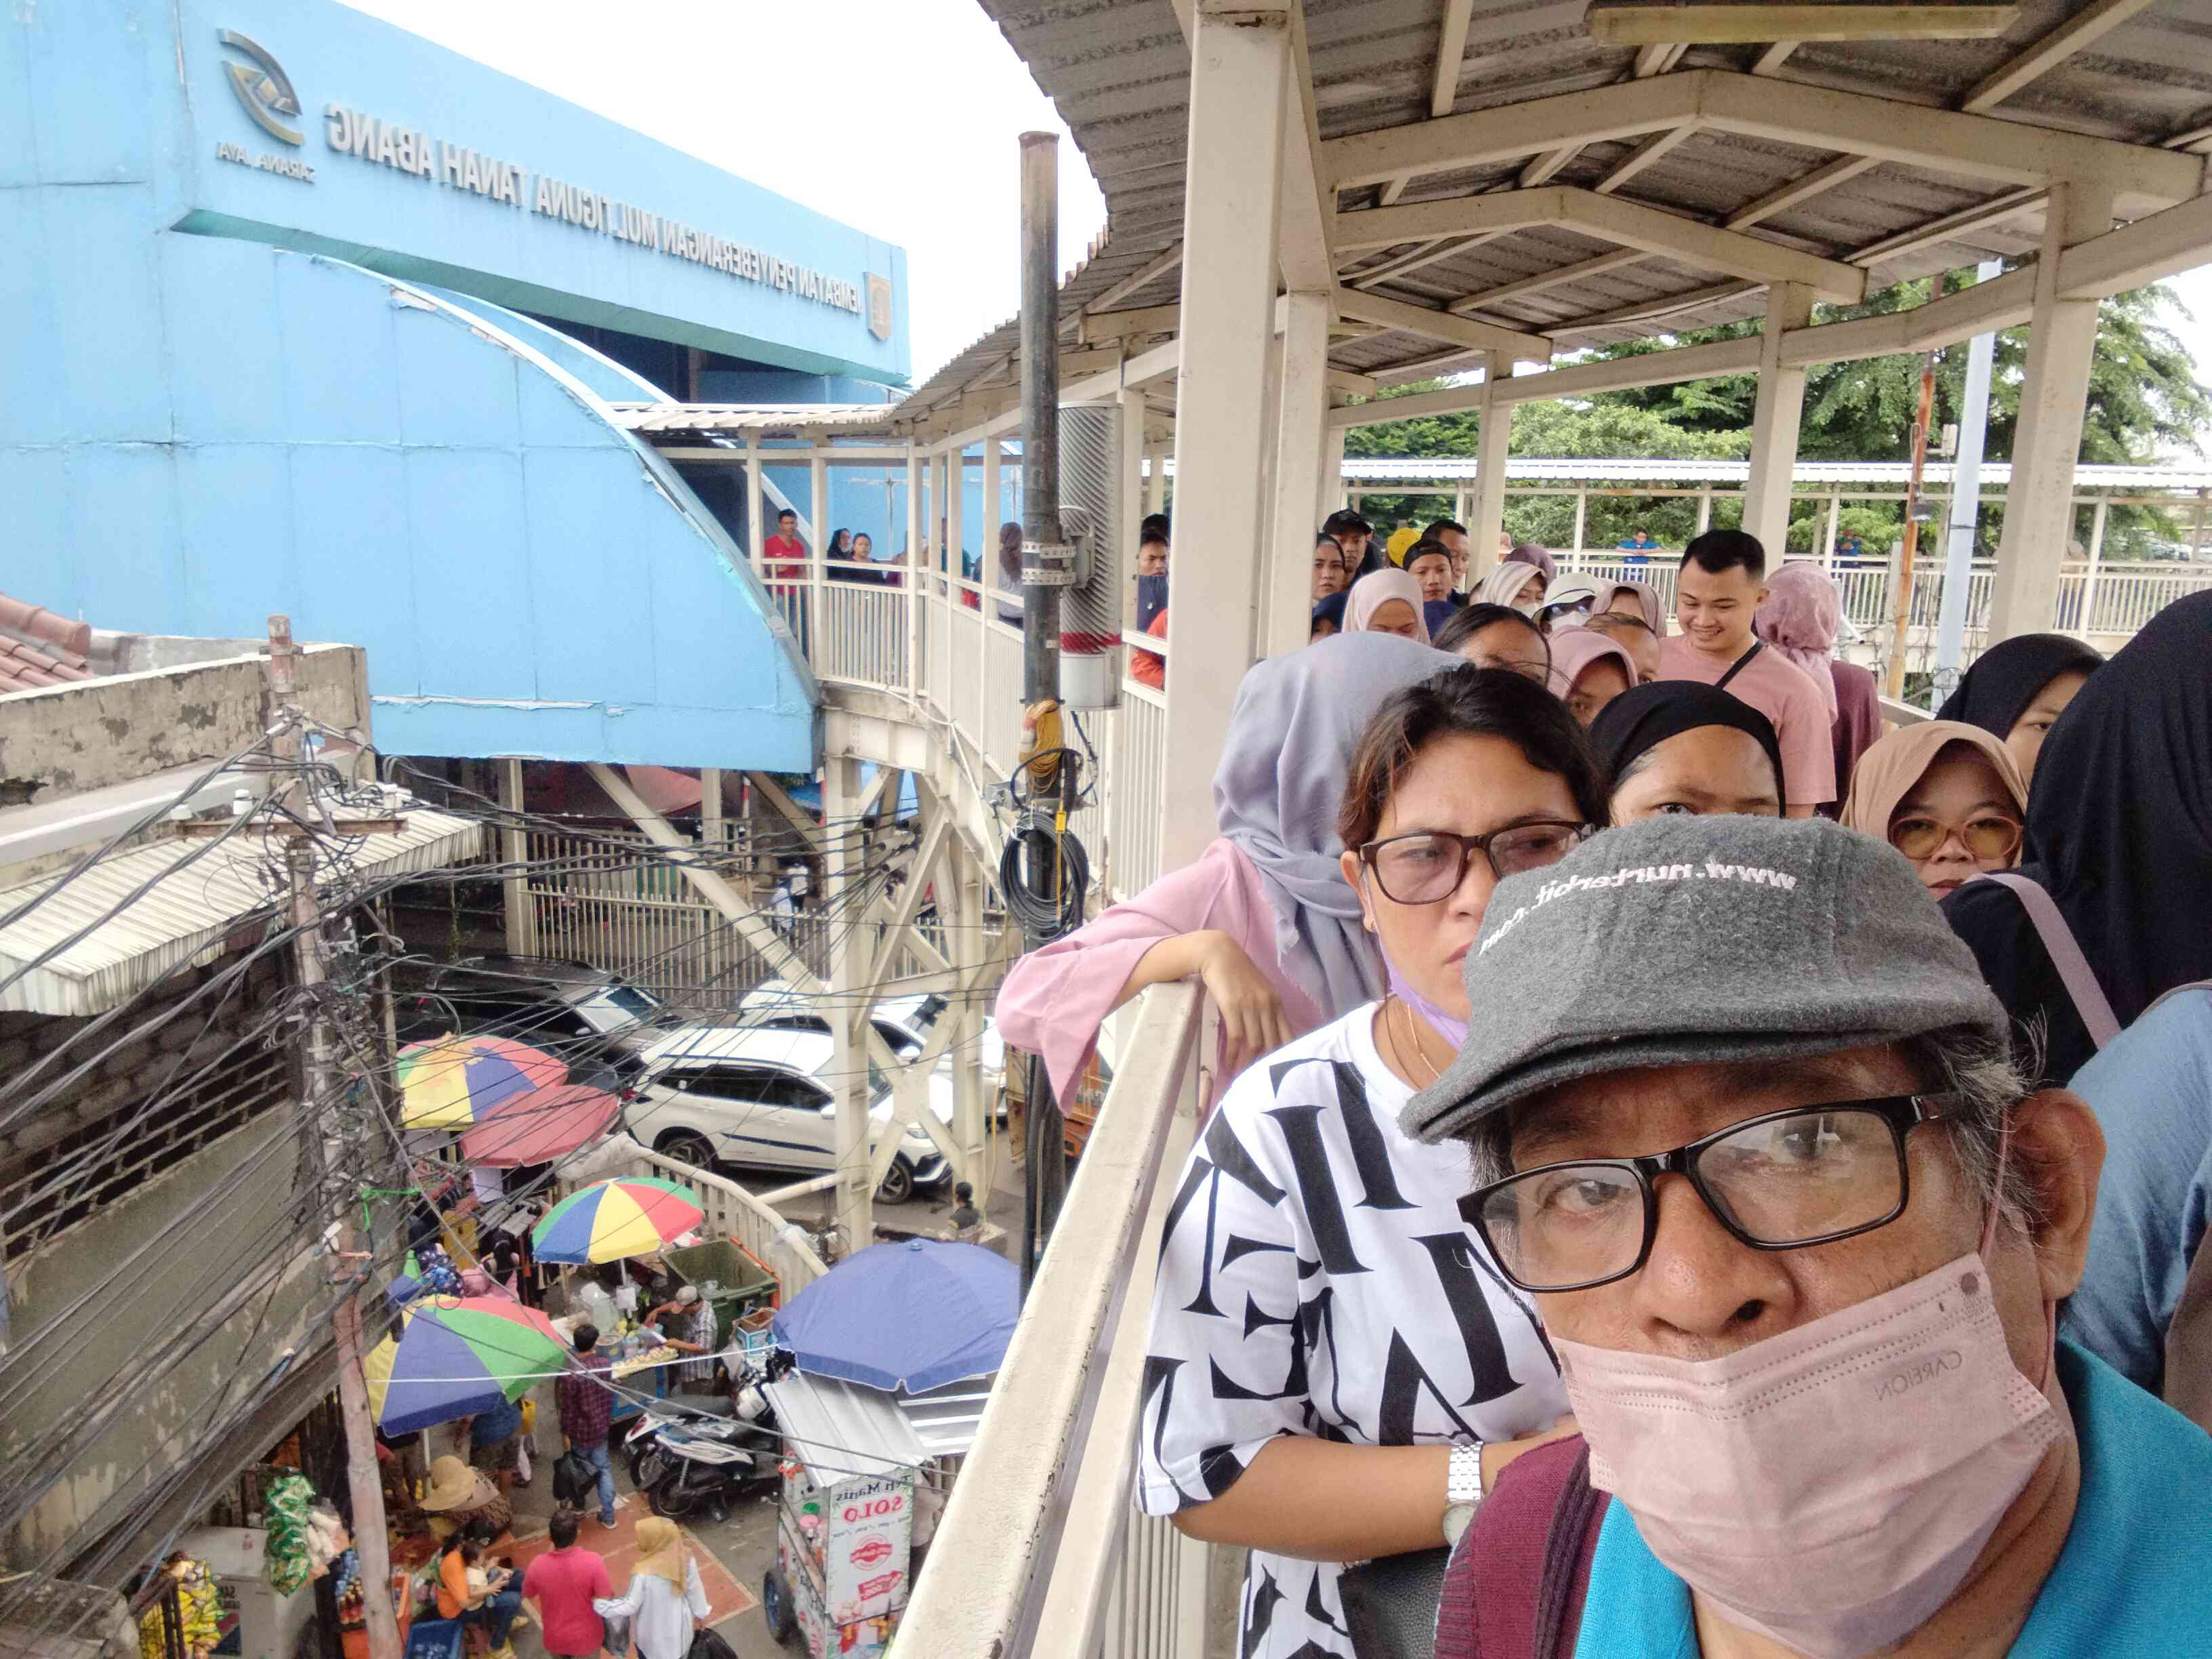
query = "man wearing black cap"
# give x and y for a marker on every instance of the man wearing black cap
(1744, 1118)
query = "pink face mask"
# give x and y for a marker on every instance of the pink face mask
(1829, 1487)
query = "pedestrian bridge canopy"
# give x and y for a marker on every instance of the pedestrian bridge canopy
(1307, 204)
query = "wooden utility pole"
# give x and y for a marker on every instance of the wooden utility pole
(1901, 615)
(321, 1083)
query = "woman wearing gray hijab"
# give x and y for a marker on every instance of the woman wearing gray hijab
(1264, 917)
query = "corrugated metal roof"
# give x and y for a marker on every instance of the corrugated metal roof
(1118, 71)
(185, 914)
(1384, 469)
(756, 420)
(945, 1418)
(840, 1430)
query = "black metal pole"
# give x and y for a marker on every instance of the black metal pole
(1044, 1158)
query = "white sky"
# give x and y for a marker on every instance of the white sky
(899, 117)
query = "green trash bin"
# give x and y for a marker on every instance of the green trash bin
(740, 1285)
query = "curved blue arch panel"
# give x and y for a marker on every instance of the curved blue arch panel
(396, 471)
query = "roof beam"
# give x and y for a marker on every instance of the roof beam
(1449, 247)
(1101, 326)
(1962, 223)
(1733, 22)
(2002, 302)
(1451, 52)
(1143, 276)
(2077, 32)
(1308, 209)
(1610, 218)
(1771, 60)
(1653, 147)
(1659, 57)
(2151, 248)
(1625, 110)
(1649, 368)
(1652, 60)
(1946, 141)
(1800, 190)
(1441, 324)
(1544, 279)
(1664, 306)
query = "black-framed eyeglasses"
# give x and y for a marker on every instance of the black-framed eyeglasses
(1426, 866)
(1779, 1182)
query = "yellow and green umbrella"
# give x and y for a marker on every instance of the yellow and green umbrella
(452, 1082)
(457, 1356)
(609, 1220)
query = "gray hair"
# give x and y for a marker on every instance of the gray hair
(1958, 1060)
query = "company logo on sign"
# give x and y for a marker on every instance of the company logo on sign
(872, 1587)
(263, 87)
(869, 1554)
(879, 305)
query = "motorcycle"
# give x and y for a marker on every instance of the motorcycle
(705, 1459)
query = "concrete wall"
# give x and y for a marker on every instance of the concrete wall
(180, 1277)
(66, 739)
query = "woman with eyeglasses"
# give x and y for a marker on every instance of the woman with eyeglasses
(1334, 1360)
(1944, 794)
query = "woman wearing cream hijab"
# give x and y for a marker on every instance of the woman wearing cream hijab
(1944, 794)
(665, 1599)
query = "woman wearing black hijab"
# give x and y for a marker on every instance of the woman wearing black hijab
(2119, 834)
(2017, 689)
(1681, 746)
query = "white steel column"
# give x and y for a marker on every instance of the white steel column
(1492, 436)
(2061, 340)
(1302, 408)
(854, 1192)
(1774, 424)
(754, 528)
(1130, 502)
(956, 515)
(819, 649)
(1238, 79)
(1156, 486)
(994, 512)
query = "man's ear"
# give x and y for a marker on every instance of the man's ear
(2059, 1147)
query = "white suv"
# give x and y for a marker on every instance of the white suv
(761, 1099)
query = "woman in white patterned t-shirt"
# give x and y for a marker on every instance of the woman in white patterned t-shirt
(1325, 1326)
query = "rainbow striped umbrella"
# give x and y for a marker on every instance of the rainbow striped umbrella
(608, 1220)
(456, 1356)
(450, 1082)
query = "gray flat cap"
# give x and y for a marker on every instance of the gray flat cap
(1685, 939)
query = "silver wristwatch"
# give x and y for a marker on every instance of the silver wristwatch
(1463, 1488)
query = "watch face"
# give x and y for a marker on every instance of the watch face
(1457, 1517)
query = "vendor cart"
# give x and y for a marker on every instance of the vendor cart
(844, 1532)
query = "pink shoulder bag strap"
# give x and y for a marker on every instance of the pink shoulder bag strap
(2058, 942)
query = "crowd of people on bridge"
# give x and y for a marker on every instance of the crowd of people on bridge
(1685, 1171)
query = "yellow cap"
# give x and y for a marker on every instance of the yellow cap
(1402, 538)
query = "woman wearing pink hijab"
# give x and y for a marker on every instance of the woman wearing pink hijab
(1386, 601)
(1264, 918)
(1799, 618)
(1589, 671)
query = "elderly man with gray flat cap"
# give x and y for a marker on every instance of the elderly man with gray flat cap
(1744, 1120)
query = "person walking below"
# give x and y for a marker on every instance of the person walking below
(563, 1584)
(587, 1409)
(665, 1600)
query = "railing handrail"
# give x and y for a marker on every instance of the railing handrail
(991, 1560)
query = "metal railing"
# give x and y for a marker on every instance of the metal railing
(1041, 1534)
(731, 1212)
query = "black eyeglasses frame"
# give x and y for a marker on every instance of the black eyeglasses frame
(1901, 1112)
(1469, 847)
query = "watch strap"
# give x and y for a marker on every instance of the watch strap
(1463, 1482)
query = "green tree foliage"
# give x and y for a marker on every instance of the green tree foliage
(2144, 400)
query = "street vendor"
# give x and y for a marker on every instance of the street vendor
(686, 1321)
(461, 1498)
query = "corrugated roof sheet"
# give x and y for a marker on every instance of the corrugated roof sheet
(756, 420)
(840, 1430)
(1118, 71)
(186, 913)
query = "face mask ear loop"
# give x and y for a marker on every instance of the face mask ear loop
(1989, 1242)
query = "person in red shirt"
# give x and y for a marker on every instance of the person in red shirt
(783, 559)
(560, 1585)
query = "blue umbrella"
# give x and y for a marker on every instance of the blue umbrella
(913, 1316)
